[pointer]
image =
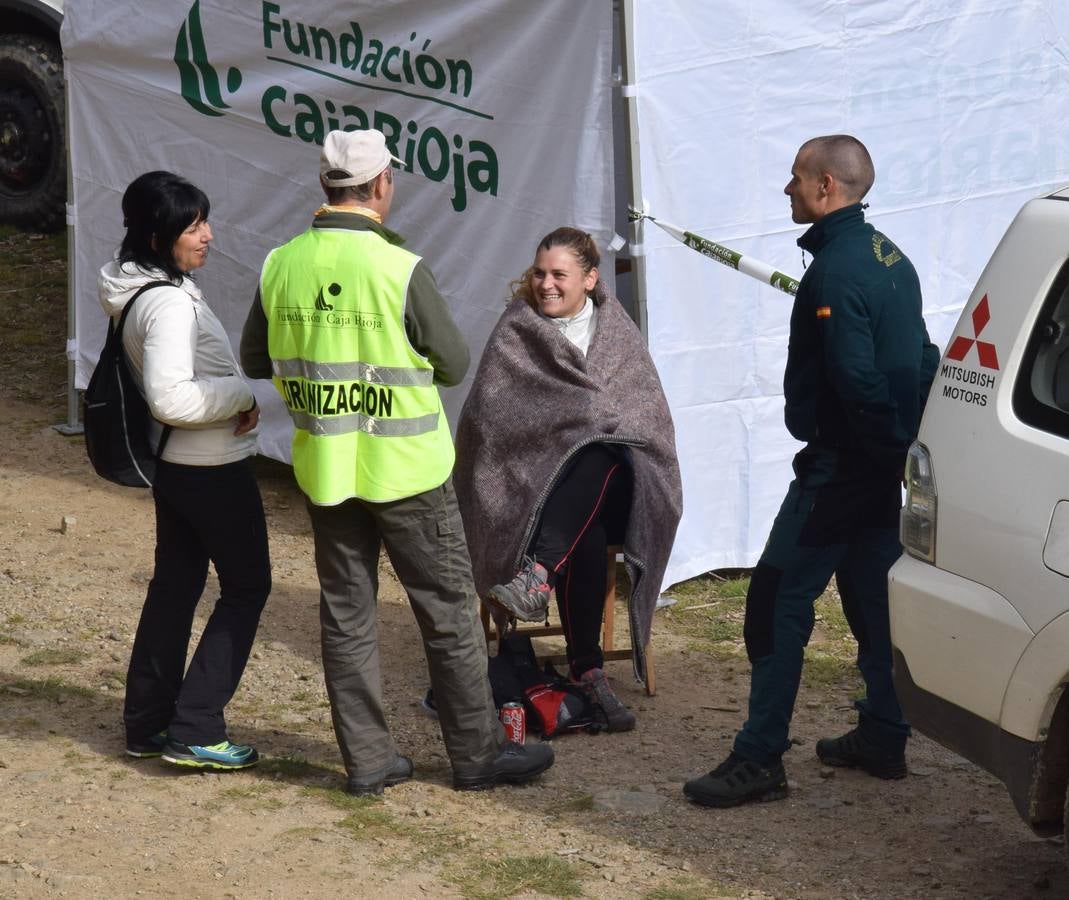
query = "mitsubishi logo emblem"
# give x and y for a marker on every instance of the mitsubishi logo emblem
(984, 351)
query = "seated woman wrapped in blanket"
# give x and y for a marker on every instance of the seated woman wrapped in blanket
(565, 446)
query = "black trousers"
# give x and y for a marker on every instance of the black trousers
(587, 510)
(839, 518)
(203, 513)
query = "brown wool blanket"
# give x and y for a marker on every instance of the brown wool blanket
(535, 401)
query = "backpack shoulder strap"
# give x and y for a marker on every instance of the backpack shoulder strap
(115, 334)
(130, 304)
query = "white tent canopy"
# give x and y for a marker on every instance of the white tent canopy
(960, 104)
(504, 113)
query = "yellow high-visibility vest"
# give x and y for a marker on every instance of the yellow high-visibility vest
(368, 419)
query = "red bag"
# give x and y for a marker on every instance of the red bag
(558, 707)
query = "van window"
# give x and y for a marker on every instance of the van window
(1041, 392)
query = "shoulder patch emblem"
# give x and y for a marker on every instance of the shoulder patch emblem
(884, 250)
(823, 312)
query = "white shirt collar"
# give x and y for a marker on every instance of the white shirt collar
(578, 328)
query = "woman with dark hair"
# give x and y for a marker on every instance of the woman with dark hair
(208, 506)
(565, 446)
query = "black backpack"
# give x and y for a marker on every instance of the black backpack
(116, 416)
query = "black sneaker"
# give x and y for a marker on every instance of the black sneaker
(857, 750)
(736, 781)
(515, 764)
(400, 770)
(150, 747)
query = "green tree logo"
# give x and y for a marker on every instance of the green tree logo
(199, 80)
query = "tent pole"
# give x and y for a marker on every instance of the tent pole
(630, 98)
(72, 426)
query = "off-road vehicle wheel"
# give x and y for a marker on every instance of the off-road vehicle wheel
(33, 168)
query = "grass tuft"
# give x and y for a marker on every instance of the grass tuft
(487, 879)
(259, 795)
(711, 611)
(54, 689)
(113, 674)
(301, 832)
(367, 818)
(584, 803)
(54, 657)
(296, 768)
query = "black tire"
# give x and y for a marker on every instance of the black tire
(33, 133)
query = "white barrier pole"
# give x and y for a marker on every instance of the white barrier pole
(747, 265)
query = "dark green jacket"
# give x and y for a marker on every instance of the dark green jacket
(859, 363)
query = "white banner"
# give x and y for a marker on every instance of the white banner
(501, 111)
(961, 105)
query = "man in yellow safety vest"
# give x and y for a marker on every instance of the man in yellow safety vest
(355, 335)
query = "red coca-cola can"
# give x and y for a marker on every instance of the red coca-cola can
(514, 719)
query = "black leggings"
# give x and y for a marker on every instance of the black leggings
(586, 512)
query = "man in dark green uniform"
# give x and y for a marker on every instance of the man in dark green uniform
(859, 366)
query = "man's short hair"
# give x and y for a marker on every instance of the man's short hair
(845, 158)
(338, 195)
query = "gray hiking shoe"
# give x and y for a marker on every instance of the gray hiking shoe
(504, 621)
(526, 597)
(617, 717)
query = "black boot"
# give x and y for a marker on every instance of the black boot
(859, 749)
(372, 784)
(515, 764)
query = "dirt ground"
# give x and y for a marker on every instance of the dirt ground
(80, 819)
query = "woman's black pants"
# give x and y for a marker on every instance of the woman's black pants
(203, 513)
(585, 513)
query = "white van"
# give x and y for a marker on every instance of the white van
(979, 601)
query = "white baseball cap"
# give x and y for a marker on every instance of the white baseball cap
(354, 157)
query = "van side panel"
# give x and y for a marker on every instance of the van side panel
(962, 640)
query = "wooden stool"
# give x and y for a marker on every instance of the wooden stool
(608, 647)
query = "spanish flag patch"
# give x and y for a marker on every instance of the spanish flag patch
(823, 312)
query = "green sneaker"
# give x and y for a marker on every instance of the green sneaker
(148, 748)
(224, 755)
